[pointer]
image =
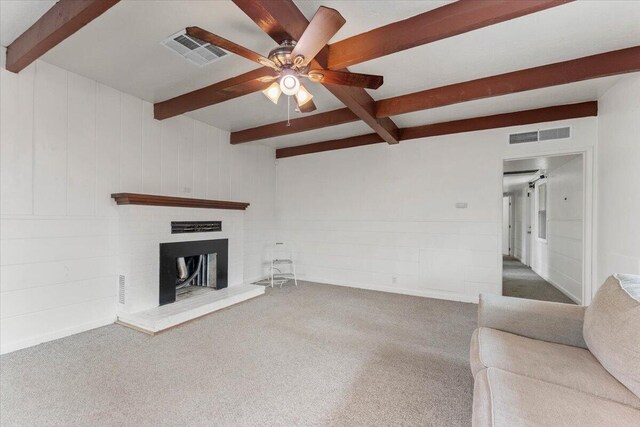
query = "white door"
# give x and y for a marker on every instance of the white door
(506, 221)
(528, 215)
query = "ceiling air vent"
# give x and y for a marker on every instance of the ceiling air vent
(541, 135)
(521, 138)
(194, 50)
(557, 133)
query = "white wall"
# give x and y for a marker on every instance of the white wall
(559, 259)
(619, 179)
(520, 227)
(67, 143)
(506, 222)
(384, 217)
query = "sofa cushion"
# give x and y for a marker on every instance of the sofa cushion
(612, 328)
(506, 399)
(564, 365)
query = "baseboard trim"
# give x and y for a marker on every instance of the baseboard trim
(33, 341)
(416, 293)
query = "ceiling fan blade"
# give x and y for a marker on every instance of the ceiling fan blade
(232, 47)
(324, 25)
(307, 107)
(344, 78)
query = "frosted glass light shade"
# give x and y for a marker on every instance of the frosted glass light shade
(273, 92)
(303, 96)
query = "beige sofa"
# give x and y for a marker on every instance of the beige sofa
(547, 364)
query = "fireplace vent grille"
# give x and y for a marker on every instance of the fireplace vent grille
(178, 227)
(121, 289)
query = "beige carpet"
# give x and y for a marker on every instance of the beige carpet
(520, 281)
(312, 355)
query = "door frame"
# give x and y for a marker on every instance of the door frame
(589, 224)
(508, 199)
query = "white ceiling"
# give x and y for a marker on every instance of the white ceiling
(569, 31)
(122, 49)
(512, 183)
(18, 15)
(544, 164)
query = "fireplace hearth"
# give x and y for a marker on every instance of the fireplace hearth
(192, 266)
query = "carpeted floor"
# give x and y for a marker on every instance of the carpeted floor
(520, 281)
(312, 355)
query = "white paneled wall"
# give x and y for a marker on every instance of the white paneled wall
(619, 179)
(566, 203)
(520, 225)
(67, 143)
(384, 217)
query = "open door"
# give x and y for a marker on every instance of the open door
(528, 215)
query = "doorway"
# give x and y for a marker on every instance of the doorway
(543, 227)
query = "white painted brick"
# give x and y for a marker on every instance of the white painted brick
(21, 302)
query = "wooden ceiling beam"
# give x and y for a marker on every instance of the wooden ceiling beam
(519, 118)
(283, 19)
(586, 68)
(336, 144)
(306, 122)
(234, 87)
(590, 67)
(61, 21)
(449, 20)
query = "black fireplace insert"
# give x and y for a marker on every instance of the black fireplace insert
(172, 256)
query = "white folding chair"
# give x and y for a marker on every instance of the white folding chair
(282, 256)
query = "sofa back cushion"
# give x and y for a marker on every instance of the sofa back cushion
(612, 328)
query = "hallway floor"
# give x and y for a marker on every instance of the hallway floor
(520, 281)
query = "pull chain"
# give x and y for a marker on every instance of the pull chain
(288, 111)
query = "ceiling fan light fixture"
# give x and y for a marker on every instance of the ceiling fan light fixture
(273, 92)
(303, 96)
(289, 83)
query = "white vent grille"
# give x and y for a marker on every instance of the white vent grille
(541, 135)
(121, 289)
(194, 50)
(558, 133)
(522, 138)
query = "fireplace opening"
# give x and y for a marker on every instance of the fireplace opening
(194, 272)
(192, 268)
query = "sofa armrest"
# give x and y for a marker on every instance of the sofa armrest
(541, 320)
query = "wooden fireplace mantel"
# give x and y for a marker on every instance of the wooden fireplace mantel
(182, 202)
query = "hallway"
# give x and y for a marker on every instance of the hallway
(520, 281)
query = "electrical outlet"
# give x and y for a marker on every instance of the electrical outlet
(394, 279)
(187, 190)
